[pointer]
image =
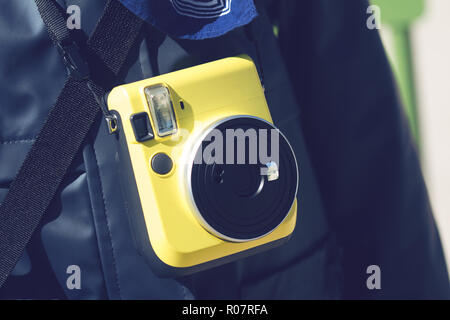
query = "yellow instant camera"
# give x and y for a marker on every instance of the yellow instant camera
(191, 209)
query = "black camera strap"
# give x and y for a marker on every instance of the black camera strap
(67, 124)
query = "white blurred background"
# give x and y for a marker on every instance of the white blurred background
(430, 42)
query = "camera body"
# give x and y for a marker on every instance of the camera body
(189, 215)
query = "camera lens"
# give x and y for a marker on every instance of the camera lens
(243, 194)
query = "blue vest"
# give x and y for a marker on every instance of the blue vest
(362, 199)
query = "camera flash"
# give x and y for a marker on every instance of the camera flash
(158, 99)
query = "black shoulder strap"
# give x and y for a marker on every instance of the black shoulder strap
(67, 125)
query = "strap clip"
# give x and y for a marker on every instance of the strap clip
(73, 60)
(111, 122)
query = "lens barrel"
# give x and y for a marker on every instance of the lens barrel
(234, 198)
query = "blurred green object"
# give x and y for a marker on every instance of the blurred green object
(399, 15)
(400, 12)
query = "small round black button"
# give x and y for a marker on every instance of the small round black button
(161, 163)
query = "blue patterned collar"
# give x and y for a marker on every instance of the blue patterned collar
(194, 19)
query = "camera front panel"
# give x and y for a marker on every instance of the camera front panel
(168, 229)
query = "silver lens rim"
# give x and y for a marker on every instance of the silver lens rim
(188, 185)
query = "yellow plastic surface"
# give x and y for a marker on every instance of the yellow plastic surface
(210, 92)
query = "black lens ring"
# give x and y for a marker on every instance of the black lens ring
(237, 218)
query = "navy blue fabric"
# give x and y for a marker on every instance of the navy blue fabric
(194, 19)
(362, 150)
